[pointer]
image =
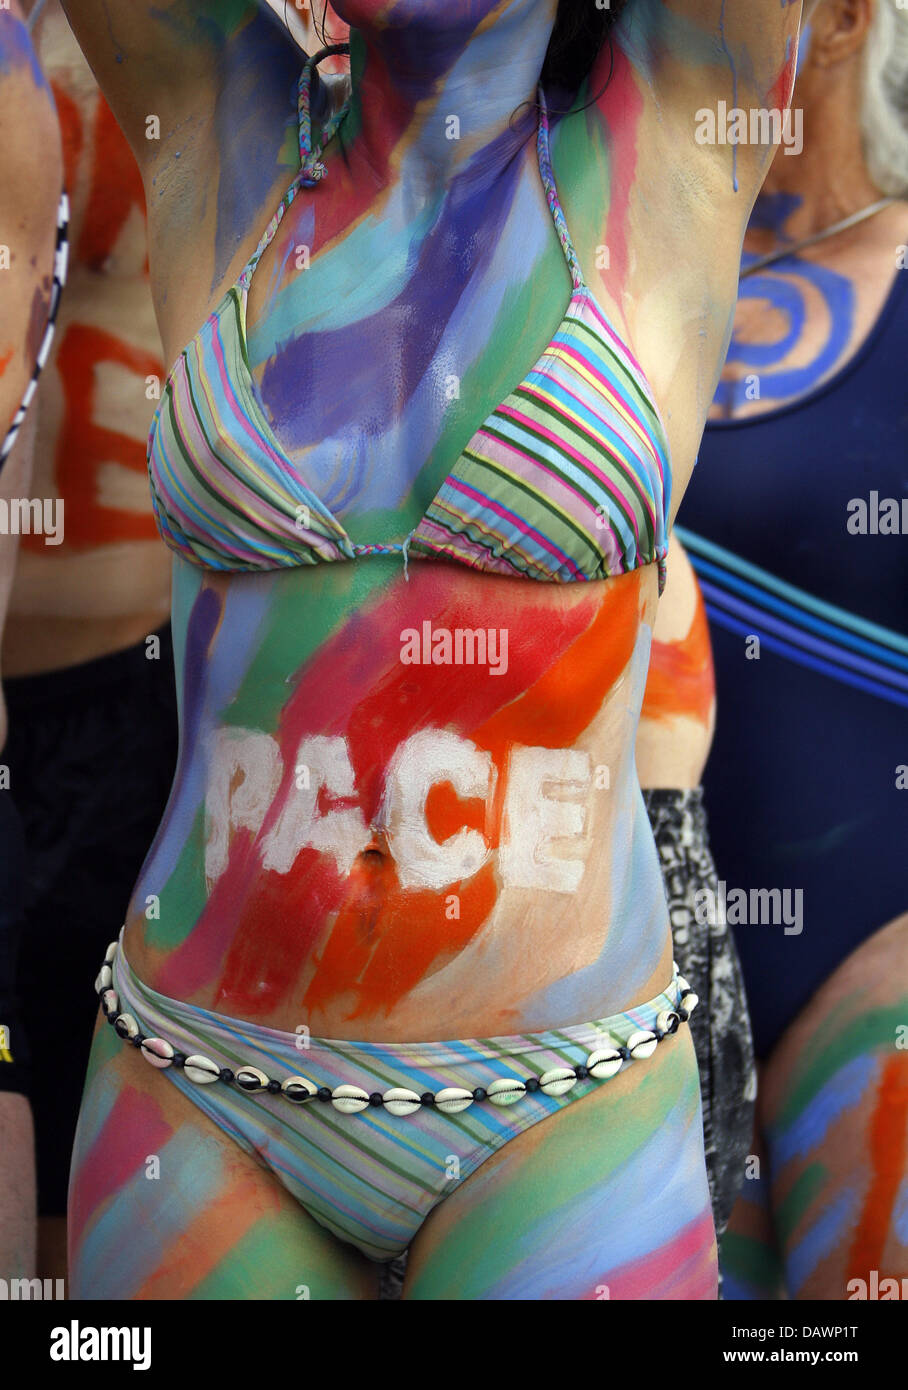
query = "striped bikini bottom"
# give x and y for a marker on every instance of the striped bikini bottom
(367, 1165)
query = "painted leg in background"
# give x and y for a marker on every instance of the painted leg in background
(835, 1111)
(748, 1254)
(163, 1205)
(607, 1199)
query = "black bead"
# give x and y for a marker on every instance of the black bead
(658, 1034)
(625, 1052)
(683, 1015)
(324, 1093)
(226, 1074)
(179, 1059)
(376, 1098)
(582, 1073)
(479, 1093)
(427, 1098)
(138, 1040)
(273, 1087)
(532, 1083)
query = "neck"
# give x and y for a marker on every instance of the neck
(434, 93)
(827, 181)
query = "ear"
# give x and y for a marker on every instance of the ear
(838, 30)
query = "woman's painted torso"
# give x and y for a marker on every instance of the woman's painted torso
(407, 805)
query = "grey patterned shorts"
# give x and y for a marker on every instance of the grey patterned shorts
(708, 960)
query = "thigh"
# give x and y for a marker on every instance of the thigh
(163, 1205)
(835, 1109)
(606, 1199)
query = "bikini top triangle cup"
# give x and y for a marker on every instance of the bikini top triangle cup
(567, 479)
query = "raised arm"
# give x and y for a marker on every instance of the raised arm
(163, 58)
(705, 58)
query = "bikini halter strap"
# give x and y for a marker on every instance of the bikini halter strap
(551, 193)
(311, 170)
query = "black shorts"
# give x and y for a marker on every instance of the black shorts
(92, 753)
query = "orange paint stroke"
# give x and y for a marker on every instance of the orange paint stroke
(5, 359)
(554, 711)
(386, 939)
(210, 1238)
(84, 447)
(681, 678)
(888, 1151)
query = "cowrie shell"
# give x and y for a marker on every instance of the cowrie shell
(157, 1051)
(642, 1045)
(689, 1001)
(506, 1091)
(400, 1101)
(104, 979)
(111, 952)
(349, 1099)
(110, 1001)
(298, 1089)
(126, 1027)
(603, 1063)
(558, 1081)
(250, 1079)
(453, 1099)
(668, 1021)
(201, 1070)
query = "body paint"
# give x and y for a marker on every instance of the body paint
(788, 298)
(681, 679)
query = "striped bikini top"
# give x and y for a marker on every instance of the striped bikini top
(567, 479)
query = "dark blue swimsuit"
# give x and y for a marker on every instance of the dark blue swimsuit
(801, 785)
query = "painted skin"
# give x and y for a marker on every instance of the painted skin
(30, 182)
(336, 934)
(825, 1201)
(107, 585)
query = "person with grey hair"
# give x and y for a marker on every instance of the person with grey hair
(796, 522)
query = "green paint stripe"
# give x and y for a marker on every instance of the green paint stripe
(185, 893)
(751, 1261)
(842, 1044)
(791, 1209)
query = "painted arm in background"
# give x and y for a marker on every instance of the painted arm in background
(670, 61)
(30, 180)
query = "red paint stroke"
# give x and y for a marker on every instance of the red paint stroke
(681, 678)
(5, 359)
(134, 1128)
(683, 1269)
(84, 447)
(70, 133)
(620, 107)
(888, 1150)
(780, 92)
(115, 189)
